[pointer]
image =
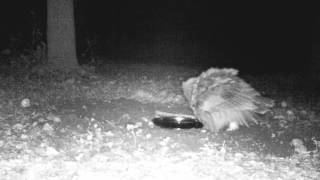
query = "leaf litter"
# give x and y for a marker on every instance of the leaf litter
(75, 128)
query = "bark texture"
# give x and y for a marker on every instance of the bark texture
(61, 39)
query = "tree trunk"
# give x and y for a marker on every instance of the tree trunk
(61, 40)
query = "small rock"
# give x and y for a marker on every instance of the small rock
(47, 127)
(25, 103)
(284, 104)
(289, 112)
(299, 146)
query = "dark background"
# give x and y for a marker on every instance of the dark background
(174, 31)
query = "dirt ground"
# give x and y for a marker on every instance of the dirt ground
(100, 128)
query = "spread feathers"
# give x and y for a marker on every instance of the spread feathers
(219, 98)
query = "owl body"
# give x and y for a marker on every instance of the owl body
(220, 99)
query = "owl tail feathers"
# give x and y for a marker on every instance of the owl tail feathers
(228, 118)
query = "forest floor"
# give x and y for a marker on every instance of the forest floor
(99, 127)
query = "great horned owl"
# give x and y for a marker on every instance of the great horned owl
(219, 99)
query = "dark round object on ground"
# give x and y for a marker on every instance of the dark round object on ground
(177, 122)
